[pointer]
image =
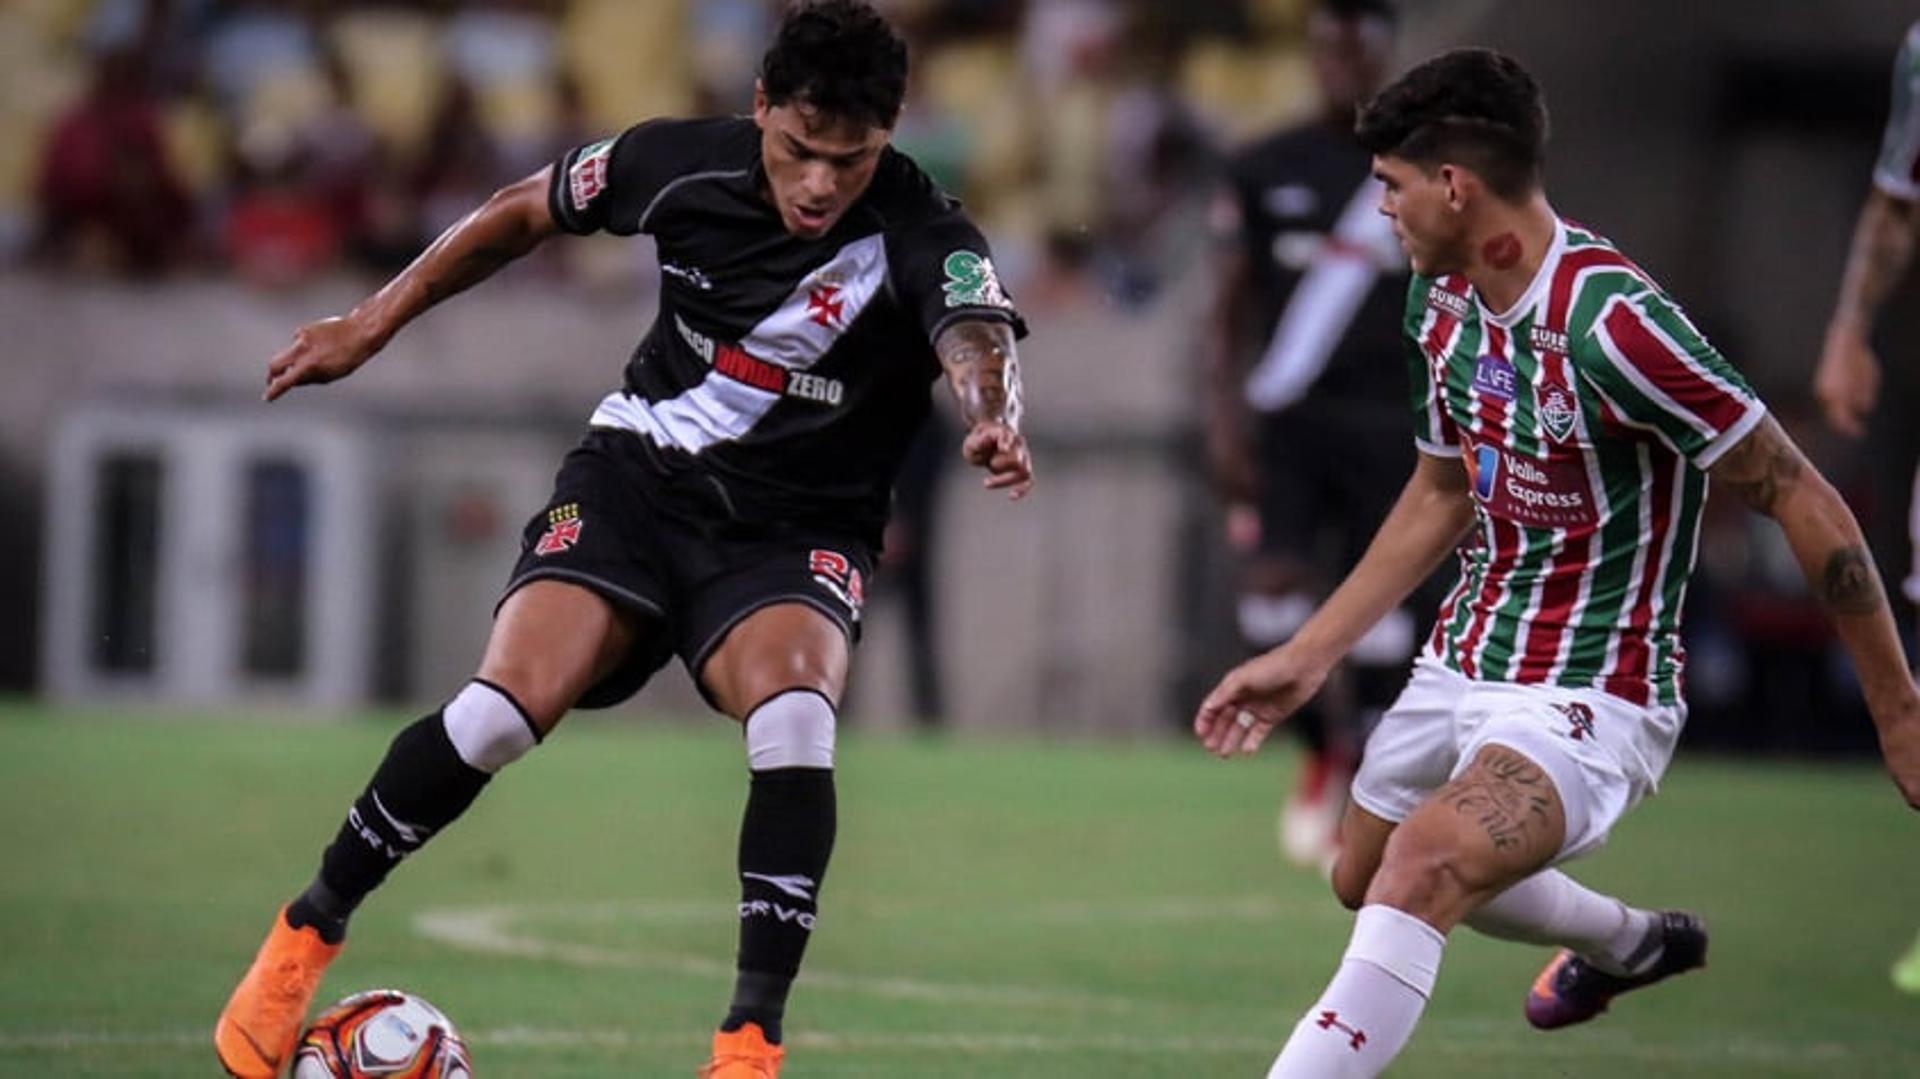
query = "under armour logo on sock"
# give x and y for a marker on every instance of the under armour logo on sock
(1355, 1036)
(793, 884)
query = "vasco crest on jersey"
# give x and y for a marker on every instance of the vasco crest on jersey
(563, 530)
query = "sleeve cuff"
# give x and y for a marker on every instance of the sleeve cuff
(980, 314)
(1711, 453)
(1902, 188)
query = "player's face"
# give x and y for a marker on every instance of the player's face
(817, 164)
(1424, 208)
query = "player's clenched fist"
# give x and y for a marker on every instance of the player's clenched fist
(321, 352)
(1254, 698)
(1002, 451)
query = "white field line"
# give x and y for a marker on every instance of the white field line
(488, 930)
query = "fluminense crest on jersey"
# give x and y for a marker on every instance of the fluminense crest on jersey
(1585, 418)
(1553, 399)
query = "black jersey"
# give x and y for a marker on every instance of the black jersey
(783, 378)
(1328, 277)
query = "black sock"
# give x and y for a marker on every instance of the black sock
(421, 786)
(785, 842)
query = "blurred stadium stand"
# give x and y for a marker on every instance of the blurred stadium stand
(183, 182)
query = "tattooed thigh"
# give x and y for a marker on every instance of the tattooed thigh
(1510, 800)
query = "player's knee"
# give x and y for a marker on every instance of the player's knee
(489, 729)
(773, 671)
(795, 728)
(1428, 877)
(1350, 883)
(544, 690)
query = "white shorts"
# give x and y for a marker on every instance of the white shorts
(1603, 753)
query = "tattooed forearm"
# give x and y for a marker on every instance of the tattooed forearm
(980, 363)
(1762, 468)
(1849, 584)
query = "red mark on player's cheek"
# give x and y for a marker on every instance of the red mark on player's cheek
(1501, 252)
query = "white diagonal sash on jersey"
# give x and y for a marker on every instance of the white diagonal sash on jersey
(1324, 302)
(794, 336)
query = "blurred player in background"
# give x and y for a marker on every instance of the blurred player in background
(1848, 380)
(725, 504)
(1310, 287)
(1571, 416)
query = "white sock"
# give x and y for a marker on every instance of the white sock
(794, 729)
(1368, 1011)
(1553, 908)
(487, 727)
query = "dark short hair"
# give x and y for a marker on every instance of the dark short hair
(840, 57)
(1472, 107)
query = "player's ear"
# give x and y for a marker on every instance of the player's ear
(760, 105)
(1457, 184)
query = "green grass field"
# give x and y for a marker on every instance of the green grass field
(995, 909)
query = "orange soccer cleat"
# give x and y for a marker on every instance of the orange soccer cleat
(743, 1054)
(257, 1029)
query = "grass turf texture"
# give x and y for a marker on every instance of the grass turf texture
(995, 909)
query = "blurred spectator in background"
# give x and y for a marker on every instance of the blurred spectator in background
(281, 229)
(107, 194)
(460, 166)
(1303, 354)
(1847, 383)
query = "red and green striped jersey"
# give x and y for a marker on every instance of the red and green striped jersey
(1585, 416)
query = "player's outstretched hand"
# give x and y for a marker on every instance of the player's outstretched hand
(1253, 699)
(1847, 382)
(1002, 451)
(321, 352)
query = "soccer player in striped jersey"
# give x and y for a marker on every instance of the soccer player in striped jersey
(1848, 380)
(1569, 418)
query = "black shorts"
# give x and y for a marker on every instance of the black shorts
(1328, 473)
(617, 526)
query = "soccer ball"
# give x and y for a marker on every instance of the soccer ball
(382, 1032)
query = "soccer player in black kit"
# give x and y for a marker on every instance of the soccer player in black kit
(725, 504)
(1307, 393)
